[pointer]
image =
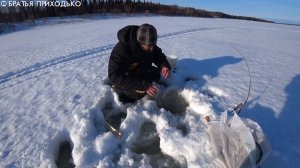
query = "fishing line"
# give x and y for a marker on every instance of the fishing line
(240, 106)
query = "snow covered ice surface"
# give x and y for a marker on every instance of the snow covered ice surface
(52, 93)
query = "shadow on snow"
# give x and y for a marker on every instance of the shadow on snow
(283, 131)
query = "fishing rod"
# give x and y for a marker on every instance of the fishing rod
(240, 106)
(113, 129)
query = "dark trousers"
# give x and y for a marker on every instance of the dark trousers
(127, 96)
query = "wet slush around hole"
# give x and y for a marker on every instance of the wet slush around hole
(172, 101)
(148, 140)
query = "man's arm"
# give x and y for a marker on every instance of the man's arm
(160, 59)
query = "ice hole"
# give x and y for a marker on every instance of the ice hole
(165, 161)
(108, 109)
(116, 119)
(65, 159)
(173, 101)
(113, 116)
(148, 142)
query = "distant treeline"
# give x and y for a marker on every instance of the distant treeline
(29, 13)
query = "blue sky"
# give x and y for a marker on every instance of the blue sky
(285, 10)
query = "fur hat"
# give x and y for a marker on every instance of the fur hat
(146, 34)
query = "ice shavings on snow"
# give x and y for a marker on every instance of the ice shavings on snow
(51, 95)
(153, 133)
(198, 102)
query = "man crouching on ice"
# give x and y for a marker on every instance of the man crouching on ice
(130, 69)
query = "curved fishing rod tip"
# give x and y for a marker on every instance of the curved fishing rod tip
(238, 108)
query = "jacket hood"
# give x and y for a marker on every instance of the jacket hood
(127, 35)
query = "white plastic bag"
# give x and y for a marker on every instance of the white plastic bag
(237, 143)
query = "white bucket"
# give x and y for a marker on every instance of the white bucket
(172, 59)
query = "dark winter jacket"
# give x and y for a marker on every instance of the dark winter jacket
(129, 64)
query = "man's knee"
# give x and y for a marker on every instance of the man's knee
(127, 96)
